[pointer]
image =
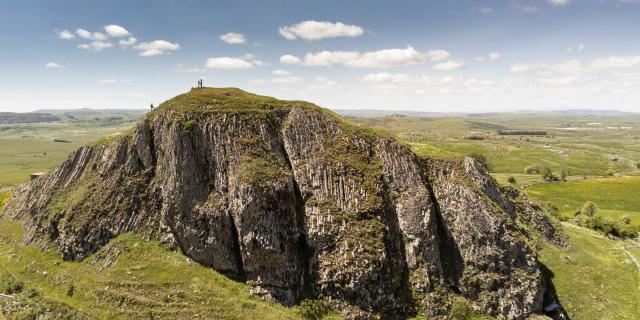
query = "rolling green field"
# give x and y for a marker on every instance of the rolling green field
(585, 146)
(594, 277)
(615, 197)
(29, 148)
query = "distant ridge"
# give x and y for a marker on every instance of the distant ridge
(374, 113)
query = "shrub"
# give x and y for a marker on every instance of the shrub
(189, 124)
(588, 209)
(482, 160)
(626, 219)
(549, 176)
(9, 284)
(564, 173)
(511, 179)
(311, 309)
(533, 169)
(70, 290)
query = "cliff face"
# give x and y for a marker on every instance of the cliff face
(287, 196)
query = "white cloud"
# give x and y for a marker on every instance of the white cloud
(84, 34)
(485, 10)
(96, 45)
(233, 63)
(53, 65)
(233, 38)
(316, 30)
(286, 79)
(429, 84)
(279, 72)
(449, 65)
(257, 81)
(289, 59)
(128, 42)
(558, 3)
(113, 80)
(156, 47)
(116, 31)
(492, 56)
(66, 35)
(325, 83)
(437, 55)
(384, 77)
(385, 58)
(578, 48)
(601, 66)
(526, 8)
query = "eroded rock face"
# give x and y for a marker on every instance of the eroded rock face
(291, 199)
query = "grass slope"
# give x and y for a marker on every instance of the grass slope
(594, 277)
(127, 279)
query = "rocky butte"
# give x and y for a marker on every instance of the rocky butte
(296, 201)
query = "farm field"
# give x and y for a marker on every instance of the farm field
(26, 148)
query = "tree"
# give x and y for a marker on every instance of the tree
(564, 173)
(548, 175)
(511, 179)
(588, 209)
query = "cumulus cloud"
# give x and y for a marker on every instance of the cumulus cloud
(156, 47)
(437, 55)
(289, 59)
(233, 63)
(96, 46)
(116, 31)
(233, 38)
(578, 48)
(290, 79)
(114, 80)
(609, 64)
(430, 84)
(66, 35)
(485, 10)
(127, 42)
(384, 77)
(449, 65)
(85, 34)
(53, 65)
(325, 83)
(492, 56)
(279, 72)
(558, 3)
(384, 58)
(316, 30)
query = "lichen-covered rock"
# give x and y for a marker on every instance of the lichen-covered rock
(292, 199)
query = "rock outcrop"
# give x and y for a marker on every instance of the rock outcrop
(292, 199)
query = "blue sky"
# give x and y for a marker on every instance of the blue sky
(403, 55)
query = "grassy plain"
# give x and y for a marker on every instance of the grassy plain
(29, 147)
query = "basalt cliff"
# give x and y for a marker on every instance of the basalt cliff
(298, 202)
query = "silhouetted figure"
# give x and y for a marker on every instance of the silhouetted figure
(152, 106)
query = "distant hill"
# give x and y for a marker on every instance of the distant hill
(30, 117)
(377, 113)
